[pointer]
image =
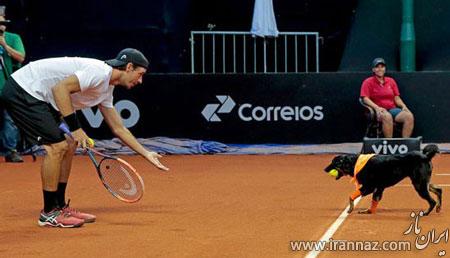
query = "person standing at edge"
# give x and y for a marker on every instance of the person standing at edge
(12, 55)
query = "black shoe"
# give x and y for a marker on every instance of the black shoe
(14, 157)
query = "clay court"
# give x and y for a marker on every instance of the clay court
(214, 206)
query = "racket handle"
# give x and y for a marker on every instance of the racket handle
(63, 127)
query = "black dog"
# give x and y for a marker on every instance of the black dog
(382, 171)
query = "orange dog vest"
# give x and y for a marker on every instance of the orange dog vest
(360, 164)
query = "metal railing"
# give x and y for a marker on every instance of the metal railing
(241, 52)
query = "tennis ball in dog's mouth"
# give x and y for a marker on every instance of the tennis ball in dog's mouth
(333, 173)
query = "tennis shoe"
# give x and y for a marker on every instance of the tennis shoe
(56, 218)
(88, 218)
(13, 157)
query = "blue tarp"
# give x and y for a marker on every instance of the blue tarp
(165, 145)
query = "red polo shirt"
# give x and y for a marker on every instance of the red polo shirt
(381, 94)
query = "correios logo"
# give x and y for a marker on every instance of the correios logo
(226, 105)
(248, 112)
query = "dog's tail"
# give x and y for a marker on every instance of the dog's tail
(430, 150)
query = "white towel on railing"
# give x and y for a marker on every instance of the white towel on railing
(264, 23)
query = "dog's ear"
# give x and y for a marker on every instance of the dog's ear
(340, 161)
(348, 160)
(348, 164)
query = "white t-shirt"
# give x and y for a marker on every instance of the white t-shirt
(39, 77)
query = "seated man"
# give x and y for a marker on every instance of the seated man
(381, 93)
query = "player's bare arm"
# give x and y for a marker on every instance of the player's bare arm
(114, 122)
(61, 93)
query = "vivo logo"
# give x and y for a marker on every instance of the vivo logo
(96, 119)
(389, 148)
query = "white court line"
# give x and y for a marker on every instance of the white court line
(442, 174)
(335, 226)
(332, 229)
(412, 185)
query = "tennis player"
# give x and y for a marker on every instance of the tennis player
(42, 94)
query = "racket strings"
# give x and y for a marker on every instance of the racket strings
(121, 180)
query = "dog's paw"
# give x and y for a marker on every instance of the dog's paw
(366, 211)
(350, 206)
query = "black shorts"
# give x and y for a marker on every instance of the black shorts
(37, 120)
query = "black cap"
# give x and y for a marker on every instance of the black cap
(129, 55)
(378, 61)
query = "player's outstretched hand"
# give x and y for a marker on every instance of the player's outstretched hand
(153, 158)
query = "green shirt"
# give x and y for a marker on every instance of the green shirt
(13, 40)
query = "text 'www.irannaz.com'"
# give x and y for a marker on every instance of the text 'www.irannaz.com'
(347, 245)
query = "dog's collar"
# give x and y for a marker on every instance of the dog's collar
(360, 164)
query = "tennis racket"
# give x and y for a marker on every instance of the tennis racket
(118, 177)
